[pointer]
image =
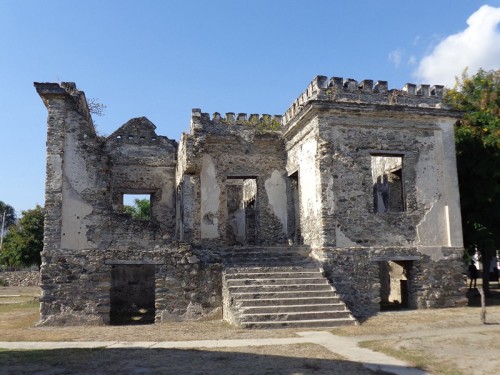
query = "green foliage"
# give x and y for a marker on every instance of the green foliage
(140, 210)
(24, 242)
(10, 214)
(477, 137)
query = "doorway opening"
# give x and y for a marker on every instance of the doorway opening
(132, 294)
(241, 193)
(394, 291)
(294, 209)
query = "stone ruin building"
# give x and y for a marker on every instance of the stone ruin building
(345, 205)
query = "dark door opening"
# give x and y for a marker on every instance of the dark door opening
(394, 291)
(132, 294)
(294, 209)
(241, 217)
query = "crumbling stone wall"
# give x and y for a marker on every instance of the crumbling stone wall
(220, 149)
(243, 180)
(86, 233)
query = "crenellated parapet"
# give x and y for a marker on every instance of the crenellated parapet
(337, 89)
(233, 122)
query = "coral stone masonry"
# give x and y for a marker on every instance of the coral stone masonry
(345, 205)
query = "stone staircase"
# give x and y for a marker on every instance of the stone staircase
(279, 287)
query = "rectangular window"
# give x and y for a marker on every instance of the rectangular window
(387, 179)
(137, 205)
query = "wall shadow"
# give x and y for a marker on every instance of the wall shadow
(175, 361)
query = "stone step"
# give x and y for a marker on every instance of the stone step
(313, 323)
(310, 301)
(280, 288)
(265, 249)
(292, 308)
(294, 316)
(275, 275)
(277, 281)
(287, 294)
(258, 254)
(265, 269)
(267, 264)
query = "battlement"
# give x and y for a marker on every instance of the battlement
(338, 89)
(201, 121)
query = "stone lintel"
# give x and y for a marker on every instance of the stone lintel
(132, 261)
(394, 258)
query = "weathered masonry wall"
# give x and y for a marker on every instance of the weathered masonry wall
(362, 175)
(217, 152)
(336, 133)
(86, 231)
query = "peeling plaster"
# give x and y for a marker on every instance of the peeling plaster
(210, 196)
(330, 202)
(341, 240)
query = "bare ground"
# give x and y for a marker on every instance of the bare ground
(442, 341)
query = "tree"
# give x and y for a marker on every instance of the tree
(24, 242)
(10, 214)
(141, 209)
(477, 137)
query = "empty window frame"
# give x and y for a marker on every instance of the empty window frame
(387, 179)
(137, 205)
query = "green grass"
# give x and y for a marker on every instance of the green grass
(24, 305)
(416, 358)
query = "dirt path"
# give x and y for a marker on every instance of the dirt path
(444, 341)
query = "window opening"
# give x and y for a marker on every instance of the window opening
(387, 179)
(137, 205)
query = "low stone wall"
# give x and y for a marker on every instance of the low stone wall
(20, 278)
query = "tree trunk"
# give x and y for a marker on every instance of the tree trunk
(483, 305)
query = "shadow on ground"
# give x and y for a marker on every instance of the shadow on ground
(493, 299)
(171, 361)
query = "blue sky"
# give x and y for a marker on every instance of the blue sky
(160, 59)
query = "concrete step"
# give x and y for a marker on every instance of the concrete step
(280, 288)
(310, 301)
(277, 309)
(313, 323)
(275, 275)
(294, 316)
(277, 281)
(278, 294)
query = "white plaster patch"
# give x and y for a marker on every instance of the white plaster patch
(276, 194)
(73, 229)
(330, 202)
(55, 163)
(435, 252)
(210, 199)
(341, 240)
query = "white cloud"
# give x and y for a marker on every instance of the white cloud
(412, 60)
(478, 46)
(395, 57)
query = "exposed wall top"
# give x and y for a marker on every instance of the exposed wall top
(337, 89)
(217, 124)
(67, 90)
